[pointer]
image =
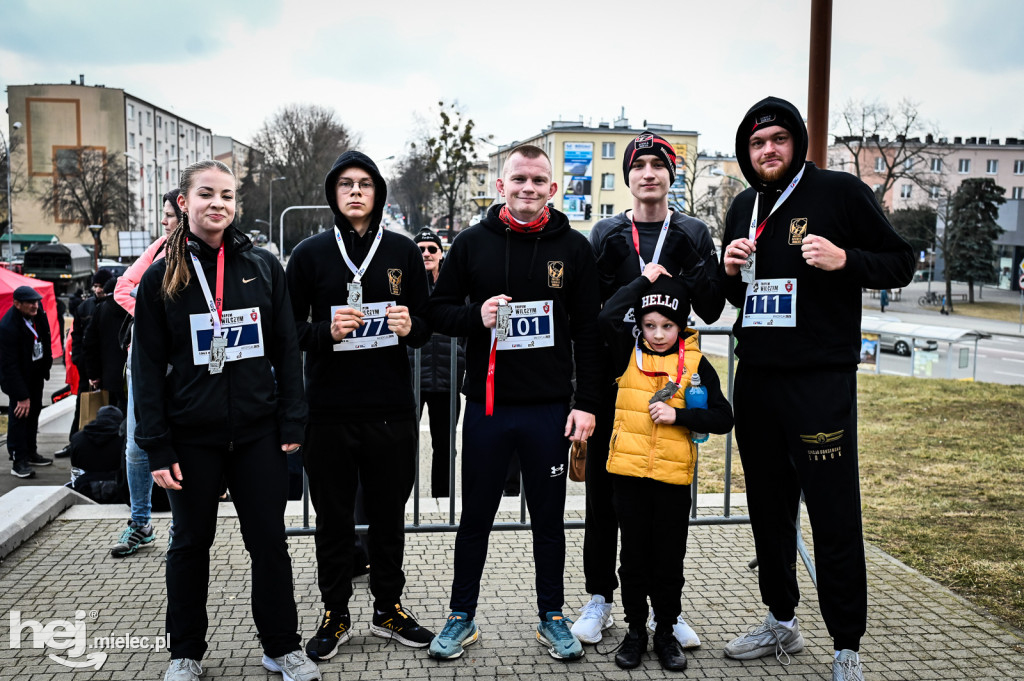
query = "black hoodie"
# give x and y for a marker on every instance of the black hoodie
(356, 385)
(179, 402)
(555, 264)
(836, 206)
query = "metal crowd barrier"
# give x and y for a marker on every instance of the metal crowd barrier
(725, 518)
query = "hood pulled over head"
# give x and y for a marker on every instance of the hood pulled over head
(766, 113)
(380, 195)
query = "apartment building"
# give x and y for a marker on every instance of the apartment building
(155, 142)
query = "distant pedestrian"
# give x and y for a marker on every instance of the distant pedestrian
(105, 358)
(883, 298)
(25, 361)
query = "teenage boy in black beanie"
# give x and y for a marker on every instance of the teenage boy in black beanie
(799, 246)
(358, 294)
(683, 245)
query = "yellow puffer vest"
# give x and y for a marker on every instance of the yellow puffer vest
(639, 447)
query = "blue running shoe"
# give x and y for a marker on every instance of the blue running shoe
(458, 632)
(554, 633)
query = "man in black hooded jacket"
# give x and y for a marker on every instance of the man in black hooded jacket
(799, 245)
(358, 293)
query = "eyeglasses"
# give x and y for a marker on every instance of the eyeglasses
(365, 186)
(428, 249)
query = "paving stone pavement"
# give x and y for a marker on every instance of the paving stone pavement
(917, 629)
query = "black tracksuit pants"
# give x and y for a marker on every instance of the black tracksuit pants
(654, 518)
(22, 432)
(381, 456)
(601, 536)
(439, 414)
(257, 475)
(797, 431)
(537, 433)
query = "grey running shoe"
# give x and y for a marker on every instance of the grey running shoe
(133, 538)
(22, 469)
(183, 669)
(295, 666)
(846, 667)
(766, 638)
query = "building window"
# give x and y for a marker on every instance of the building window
(1018, 167)
(149, 144)
(991, 166)
(936, 165)
(608, 181)
(879, 164)
(607, 149)
(149, 118)
(131, 112)
(159, 122)
(905, 191)
(934, 192)
(1018, 193)
(608, 210)
(908, 164)
(964, 166)
(131, 139)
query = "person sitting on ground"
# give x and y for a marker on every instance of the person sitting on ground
(96, 457)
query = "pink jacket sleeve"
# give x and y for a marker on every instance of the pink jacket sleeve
(133, 275)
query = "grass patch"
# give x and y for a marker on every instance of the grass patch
(941, 470)
(1004, 312)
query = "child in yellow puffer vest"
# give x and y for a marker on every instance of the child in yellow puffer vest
(651, 455)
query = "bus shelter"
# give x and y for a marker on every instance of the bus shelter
(889, 346)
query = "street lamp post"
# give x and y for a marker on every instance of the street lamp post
(718, 172)
(270, 220)
(10, 207)
(482, 202)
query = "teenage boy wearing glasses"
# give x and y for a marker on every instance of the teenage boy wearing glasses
(436, 379)
(358, 293)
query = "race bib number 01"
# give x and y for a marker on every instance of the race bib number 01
(530, 326)
(242, 332)
(374, 333)
(770, 302)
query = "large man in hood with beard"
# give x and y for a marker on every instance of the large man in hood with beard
(358, 293)
(799, 246)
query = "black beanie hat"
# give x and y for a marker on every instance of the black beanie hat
(102, 276)
(427, 234)
(667, 297)
(773, 114)
(649, 143)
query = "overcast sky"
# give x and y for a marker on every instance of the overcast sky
(515, 67)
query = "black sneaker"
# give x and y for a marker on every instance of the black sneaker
(37, 460)
(632, 649)
(670, 653)
(401, 626)
(132, 539)
(63, 452)
(22, 469)
(335, 629)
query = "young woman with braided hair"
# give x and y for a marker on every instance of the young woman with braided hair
(219, 398)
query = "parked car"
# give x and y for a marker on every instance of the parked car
(890, 342)
(116, 268)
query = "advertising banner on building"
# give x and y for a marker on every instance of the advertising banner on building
(578, 169)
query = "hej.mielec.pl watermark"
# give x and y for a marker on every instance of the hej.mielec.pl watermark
(70, 637)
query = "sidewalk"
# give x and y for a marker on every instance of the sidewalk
(907, 309)
(917, 629)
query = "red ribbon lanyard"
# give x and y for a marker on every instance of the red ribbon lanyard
(219, 300)
(489, 406)
(681, 367)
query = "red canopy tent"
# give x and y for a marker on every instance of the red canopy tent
(10, 281)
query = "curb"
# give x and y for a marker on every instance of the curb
(25, 510)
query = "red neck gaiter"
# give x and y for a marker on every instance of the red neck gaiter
(529, 227)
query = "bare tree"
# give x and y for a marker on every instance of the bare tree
(709, 205)
(889, 145)
(450, 152)
(414, 188)
(17, 181)
(90, 187)
(300, 143)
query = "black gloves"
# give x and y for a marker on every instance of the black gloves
(616, 249)
(681, 250)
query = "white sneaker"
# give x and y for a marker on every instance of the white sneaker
(596, 617)
(295, 666)
(847, 667)
(682, 631)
